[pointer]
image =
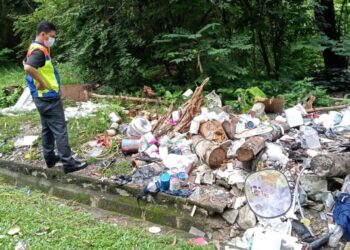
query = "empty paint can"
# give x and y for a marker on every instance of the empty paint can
(130, 145)
(164, 181)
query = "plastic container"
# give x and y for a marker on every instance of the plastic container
(163, 152)
(139, 126)
(176, 116)
(182, 176)
(114, 125)
(111, 132)
(194, 128)
(151, 150)
(153, 187)
(164, 181)
(123, 128)
(114, 117)
(311, 138)
(146, 141)
(182, 163)
(188, 93)
(150, 138)
(294, 117)
(174, 184)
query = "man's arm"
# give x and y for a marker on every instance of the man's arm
(33, 72)
(32, 63)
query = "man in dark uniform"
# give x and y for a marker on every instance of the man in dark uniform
(43, 81)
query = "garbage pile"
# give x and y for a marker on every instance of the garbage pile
(281, 181)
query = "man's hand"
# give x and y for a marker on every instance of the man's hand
(42, 86)
(33, 72)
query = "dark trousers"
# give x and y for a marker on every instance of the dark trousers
(54, 130)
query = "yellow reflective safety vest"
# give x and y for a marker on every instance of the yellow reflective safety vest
(48, 73)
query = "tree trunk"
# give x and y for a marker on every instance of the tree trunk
(250, 148)
(325, 19)
(209, 152)
(331, 165)
(230, 127)
(263, 50)
(213, 131)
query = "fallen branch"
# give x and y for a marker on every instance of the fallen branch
(126, 98)
(191, 108)
(321, 109)
(340, 99)
(188, 111)
(159, 129)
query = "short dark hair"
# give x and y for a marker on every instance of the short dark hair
(45, 26)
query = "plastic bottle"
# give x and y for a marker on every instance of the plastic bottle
(311, 138)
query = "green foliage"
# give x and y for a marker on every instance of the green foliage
(242, 99)
(7, 100)
(6, 147)
(300, 90)
(343, 47)
(170, 94)
(123, 45)
(204, 53)
(47, 223)
(4, 55)
(11, 76)
(70, 73)
(247, 97)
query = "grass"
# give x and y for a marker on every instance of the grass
(11, 76)
(123, 167)
(80, 130)
(10, 129)
(45, 223)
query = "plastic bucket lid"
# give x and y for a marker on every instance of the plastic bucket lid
(164, 177)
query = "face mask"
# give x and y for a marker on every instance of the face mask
(50, 42)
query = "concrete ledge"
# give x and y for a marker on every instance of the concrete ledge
(162, 209)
